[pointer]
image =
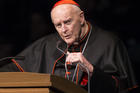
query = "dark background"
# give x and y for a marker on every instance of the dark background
(24, 21)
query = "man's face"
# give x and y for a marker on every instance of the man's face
(67, 23)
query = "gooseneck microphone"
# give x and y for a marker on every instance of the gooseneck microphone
(16, 57)
(87, 70)
(6, 60)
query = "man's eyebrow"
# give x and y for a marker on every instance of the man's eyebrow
(67, 19)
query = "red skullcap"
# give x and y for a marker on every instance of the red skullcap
(61, 2)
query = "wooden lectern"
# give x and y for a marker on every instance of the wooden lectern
(27, 82)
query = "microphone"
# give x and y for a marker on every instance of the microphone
(87, 70)
(88, 75)
(6, 60)
(16, 57)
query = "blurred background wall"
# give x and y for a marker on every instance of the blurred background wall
(24, 21)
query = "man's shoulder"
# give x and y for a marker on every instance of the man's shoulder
(43, 41)
(106, 35)
(103, 37)
(41, 44)
(50, 38)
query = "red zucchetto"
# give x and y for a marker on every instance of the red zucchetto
(65, 2)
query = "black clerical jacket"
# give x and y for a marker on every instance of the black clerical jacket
(106, 52)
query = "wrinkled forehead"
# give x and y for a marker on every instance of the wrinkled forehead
(61, 2)
(62, 10)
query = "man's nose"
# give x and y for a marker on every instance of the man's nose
(64, 28)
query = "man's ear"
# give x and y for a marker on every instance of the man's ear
(82, 18)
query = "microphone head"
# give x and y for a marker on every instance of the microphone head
(17, 58)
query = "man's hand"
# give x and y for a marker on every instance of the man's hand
(78, 57)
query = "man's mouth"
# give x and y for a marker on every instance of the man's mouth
(67, 36)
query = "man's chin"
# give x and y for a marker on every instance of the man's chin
(69, 42)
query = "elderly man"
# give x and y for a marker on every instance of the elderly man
(80, 50)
